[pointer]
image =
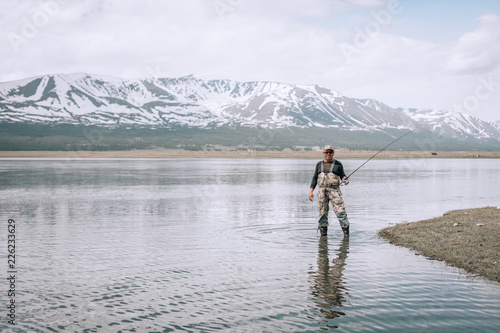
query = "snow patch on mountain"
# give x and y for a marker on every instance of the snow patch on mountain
(189, 101)
(495, 124)
(453, 124)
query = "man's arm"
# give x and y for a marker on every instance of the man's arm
(342, 173)
(314, 182)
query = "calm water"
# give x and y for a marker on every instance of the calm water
(231, 245)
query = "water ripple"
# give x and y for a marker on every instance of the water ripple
(169, 249)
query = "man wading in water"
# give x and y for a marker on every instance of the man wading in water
(327, 176)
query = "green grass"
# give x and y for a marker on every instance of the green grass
(20, 136)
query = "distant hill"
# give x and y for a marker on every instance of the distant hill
(60, 110)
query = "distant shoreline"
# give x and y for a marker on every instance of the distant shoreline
(179, 153)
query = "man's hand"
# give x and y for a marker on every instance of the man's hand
(311, 194)
(343, 180)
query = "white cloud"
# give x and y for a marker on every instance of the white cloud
(293, 41)
(478, 51)
(367, 3)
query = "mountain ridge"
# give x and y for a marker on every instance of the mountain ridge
(187, 101)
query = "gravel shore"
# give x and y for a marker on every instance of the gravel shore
(467, 239)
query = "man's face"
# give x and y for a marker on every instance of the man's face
(328, 154)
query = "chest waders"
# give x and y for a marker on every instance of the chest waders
(329, 191)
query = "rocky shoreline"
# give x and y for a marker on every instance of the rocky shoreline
(467, 239)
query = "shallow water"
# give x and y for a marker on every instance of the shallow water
(160, 245)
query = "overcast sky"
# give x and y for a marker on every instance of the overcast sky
(441, 54)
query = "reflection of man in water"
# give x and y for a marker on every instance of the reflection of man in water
(329, 174)
(328, 289)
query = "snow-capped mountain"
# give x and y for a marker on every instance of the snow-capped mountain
(453, 124)
(496, 124)
(193, 102)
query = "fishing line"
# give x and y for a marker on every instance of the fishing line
(347, 179)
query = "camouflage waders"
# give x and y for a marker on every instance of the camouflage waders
(329, 191)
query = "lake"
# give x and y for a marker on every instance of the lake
(192, 245)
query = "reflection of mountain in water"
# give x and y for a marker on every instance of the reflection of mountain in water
(328, 290)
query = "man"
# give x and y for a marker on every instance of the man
(329, 174)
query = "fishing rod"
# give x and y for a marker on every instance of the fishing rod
(347, 178)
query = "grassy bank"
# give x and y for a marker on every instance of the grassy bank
(468, 239)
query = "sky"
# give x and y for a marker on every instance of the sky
(437, 54)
